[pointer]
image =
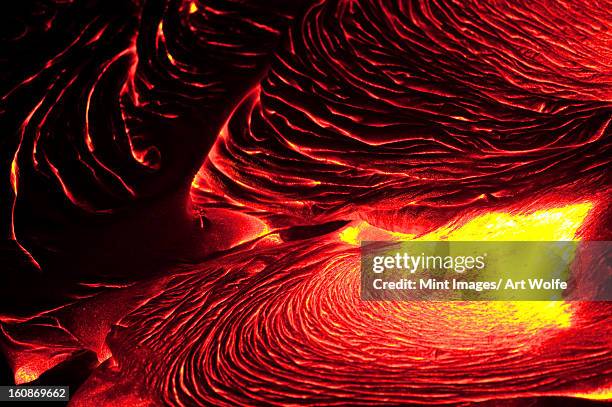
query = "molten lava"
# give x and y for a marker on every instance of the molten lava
(187, 185)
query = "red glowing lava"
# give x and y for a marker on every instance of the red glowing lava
(188, 183)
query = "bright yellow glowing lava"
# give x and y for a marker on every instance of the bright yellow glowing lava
(554, 224)
(605, 394)
(25, 375)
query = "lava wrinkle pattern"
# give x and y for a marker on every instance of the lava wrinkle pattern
(187, 185)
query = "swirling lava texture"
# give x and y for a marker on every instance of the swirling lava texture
(188, 183)
(399, 108)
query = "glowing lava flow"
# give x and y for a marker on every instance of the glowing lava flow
(272, 323)
(551, 224)
(309, 126)
(415, 111)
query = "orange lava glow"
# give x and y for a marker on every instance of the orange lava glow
(551, 224)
